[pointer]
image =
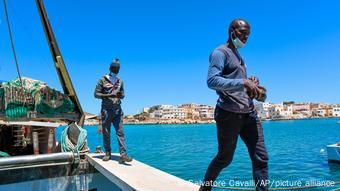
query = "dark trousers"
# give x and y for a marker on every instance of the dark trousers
(229, 126)
(115, 117)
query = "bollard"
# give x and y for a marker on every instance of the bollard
(50, 141)
(35, 143)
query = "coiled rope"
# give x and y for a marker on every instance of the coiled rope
(3, 154)
(68, 146)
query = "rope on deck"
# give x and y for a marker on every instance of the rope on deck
(68, 146)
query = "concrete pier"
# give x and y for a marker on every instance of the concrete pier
(138, 176)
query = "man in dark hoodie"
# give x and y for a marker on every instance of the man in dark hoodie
(235, 113)
(110, 89)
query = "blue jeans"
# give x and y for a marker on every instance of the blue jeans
(229, 126)
(113, 116)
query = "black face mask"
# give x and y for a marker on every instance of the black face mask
(114, 70)
(115, 66)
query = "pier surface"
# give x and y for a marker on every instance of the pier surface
(138, 176)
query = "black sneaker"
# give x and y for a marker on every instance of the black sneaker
(204, 189)
(125, 158)
(107, 156)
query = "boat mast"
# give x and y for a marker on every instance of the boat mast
(63, 75)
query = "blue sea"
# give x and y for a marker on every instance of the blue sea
(296, 148)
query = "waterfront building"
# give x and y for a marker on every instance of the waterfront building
(278, 111)
(336, 112)
(146, 109)
(320, 113)
(156, 114)
(265, 110)
(205, 111)
(190, 110)
(329, 111)
(302, 109)
(262, 109)
(174, 113)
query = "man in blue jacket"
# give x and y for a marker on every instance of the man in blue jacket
(110, 89)
(235, 113)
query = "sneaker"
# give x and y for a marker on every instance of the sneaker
(107, 156)
(124, 158)
(204, 189)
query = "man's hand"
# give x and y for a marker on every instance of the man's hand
(262, 94)
(111, 95)
(100, 129)
(120, 95)
(251, 88)
(255, 80)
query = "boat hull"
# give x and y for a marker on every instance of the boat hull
(333, 152)
(53, 172)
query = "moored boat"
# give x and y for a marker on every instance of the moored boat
(333, 152)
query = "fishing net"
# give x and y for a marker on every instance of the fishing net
(51, 102)
(19, 97)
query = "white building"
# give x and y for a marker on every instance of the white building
(280, 111)
(157, 114)
(146, 109)
(321, 112)
(287, 111)
(165, 106)
(274, 111)
(302, 109)
(184, 111)
(174, 113)
(205, 111)
(336, 112)
(262, 109)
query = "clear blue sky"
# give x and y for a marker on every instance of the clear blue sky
(164, 47)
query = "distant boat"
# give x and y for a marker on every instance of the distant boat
(333, 152)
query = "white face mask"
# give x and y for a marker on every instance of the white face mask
(113, 75)
(237, 42)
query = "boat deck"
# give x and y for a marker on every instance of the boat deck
(138, 176)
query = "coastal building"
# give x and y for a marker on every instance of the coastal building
(165, 106)
(329, 111)
(275, 111)
(278, 111)
(262, 109)
(174, 113)
(336, 112)
(190, 110)
(302, 109)
(265, 110)
(184, 111)
(166, 112)
(146, 109)
(272, 112)
(287, 111)
(320, 112)
(205, 111)
(156, 114)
